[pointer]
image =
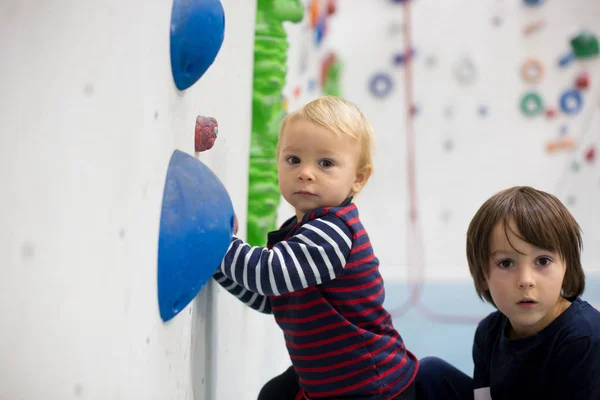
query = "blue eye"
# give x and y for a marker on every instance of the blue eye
(326, 163)
(293, 160)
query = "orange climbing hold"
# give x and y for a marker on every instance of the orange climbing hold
(565, 143)
(314, 13)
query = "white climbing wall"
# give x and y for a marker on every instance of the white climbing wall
(90, 116)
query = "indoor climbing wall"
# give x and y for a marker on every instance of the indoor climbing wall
(467, 97)
(102, 104)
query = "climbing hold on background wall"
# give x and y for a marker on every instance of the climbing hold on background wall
(590, 154)
(197, 30)
(551, 112)
(332, 85)
(196, 226)
(465, 70)
(582, 80)
(566, 58)
(571, 102)
(381, 85)
(533, 3)
(431, 60)
(585, 45)
(401, 58)
(314, 13)
(531, 104)
(564, 129)
(206, 132)
(320, 30)
(575, 166)
(326, 64)
(414, 110)
(532, 70)
(496, 20)
(483, 111)
(533, 27)
(331, 7)
(565, 143)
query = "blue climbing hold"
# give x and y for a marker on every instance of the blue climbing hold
(196, 226)
(320, 30)
(571, 102)
(197, 31)
(566, 58)
(533, 2)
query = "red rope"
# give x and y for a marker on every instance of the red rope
(416, 252)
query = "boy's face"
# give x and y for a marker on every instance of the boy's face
(525, 287)
(316, 167)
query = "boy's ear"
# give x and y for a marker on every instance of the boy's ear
(362, 176)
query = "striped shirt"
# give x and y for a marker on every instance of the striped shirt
(321, 281)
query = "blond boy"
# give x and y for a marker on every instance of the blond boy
(318, 274)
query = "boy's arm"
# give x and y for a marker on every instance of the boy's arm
(577, 368)
(317, 253)
(253, 300)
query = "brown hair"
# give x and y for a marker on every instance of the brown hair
(542, 220)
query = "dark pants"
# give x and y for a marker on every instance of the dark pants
(436, 379)
(286, 387)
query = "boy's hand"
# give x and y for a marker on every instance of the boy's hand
(235, 224)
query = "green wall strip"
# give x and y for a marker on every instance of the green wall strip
(270, 67)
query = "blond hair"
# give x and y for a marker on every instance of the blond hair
(340, 117)
(541, 219)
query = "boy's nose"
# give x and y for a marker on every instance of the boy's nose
(306, 174)
(525, 279)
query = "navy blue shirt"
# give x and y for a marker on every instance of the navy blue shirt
(560, 362)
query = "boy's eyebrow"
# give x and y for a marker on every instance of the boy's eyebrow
(496, 252)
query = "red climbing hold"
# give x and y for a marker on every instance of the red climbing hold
(206, 133)
(551, 113)
(590, 154)
(331, 7)
(582, 81)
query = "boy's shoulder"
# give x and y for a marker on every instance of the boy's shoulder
(346, 211)
(582, 321)
(494, 322)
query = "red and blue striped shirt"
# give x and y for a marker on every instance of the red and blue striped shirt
(320, 279)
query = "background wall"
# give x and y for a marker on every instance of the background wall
(470, 141)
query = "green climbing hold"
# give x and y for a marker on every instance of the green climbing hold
(532, 104)
(585, 45)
